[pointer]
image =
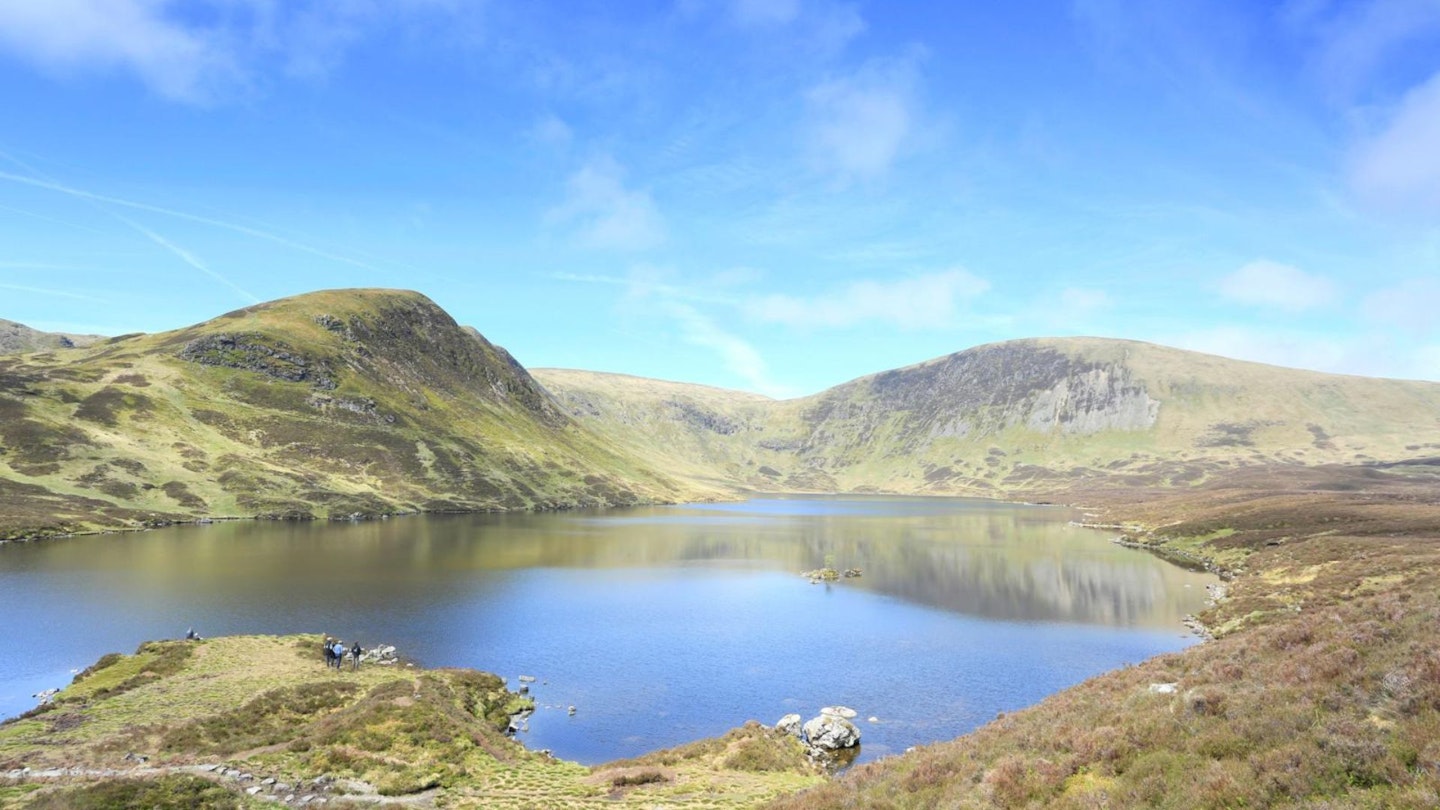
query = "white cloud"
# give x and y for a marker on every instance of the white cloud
(1400, 166)
(1271, 284)
(605, 213)
(202, 51)
(860, 124)
(1412, 306)
(921, 302)
(66, 36)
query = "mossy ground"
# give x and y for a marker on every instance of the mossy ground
(269, 706)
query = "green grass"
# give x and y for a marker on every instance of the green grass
(268, 705)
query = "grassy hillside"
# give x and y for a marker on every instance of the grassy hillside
(1027, 417)
(249, 720)
(326, 405)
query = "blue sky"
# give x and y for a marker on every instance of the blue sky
(772, 195)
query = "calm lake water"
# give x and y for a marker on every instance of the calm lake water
(660, 624)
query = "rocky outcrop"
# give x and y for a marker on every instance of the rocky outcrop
(824, 734)
(260, 354)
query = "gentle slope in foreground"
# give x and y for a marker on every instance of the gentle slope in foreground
(208, 721)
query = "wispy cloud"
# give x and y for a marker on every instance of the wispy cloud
(177, 61)
(921, 302)
(605, 213)
(735, 354)
(641, 285)
(1271, 284)
(862, 122)
(202, 51)
(1399, 167)
(1353, 41)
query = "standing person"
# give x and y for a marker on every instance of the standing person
(339, 649)
(329, 649)
(355, 653)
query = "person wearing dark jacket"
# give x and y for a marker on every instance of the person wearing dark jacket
(355, 653)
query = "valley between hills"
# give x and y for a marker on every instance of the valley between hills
(1316, 496)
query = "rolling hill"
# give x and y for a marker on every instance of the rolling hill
(324, 405)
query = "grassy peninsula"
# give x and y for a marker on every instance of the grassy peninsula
(248, 721)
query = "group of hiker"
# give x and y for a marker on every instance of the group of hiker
(335, 654)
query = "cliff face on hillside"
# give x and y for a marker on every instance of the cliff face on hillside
(985, 392)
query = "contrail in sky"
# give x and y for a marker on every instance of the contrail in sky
(43, 291)
(187, 257)
(170, 212)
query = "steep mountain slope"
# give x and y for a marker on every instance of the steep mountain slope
(1026, 416)
(325, 404)
(17, 337)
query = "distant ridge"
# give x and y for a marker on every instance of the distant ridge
(1024, 416)
(366, 402)
(17, 337)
